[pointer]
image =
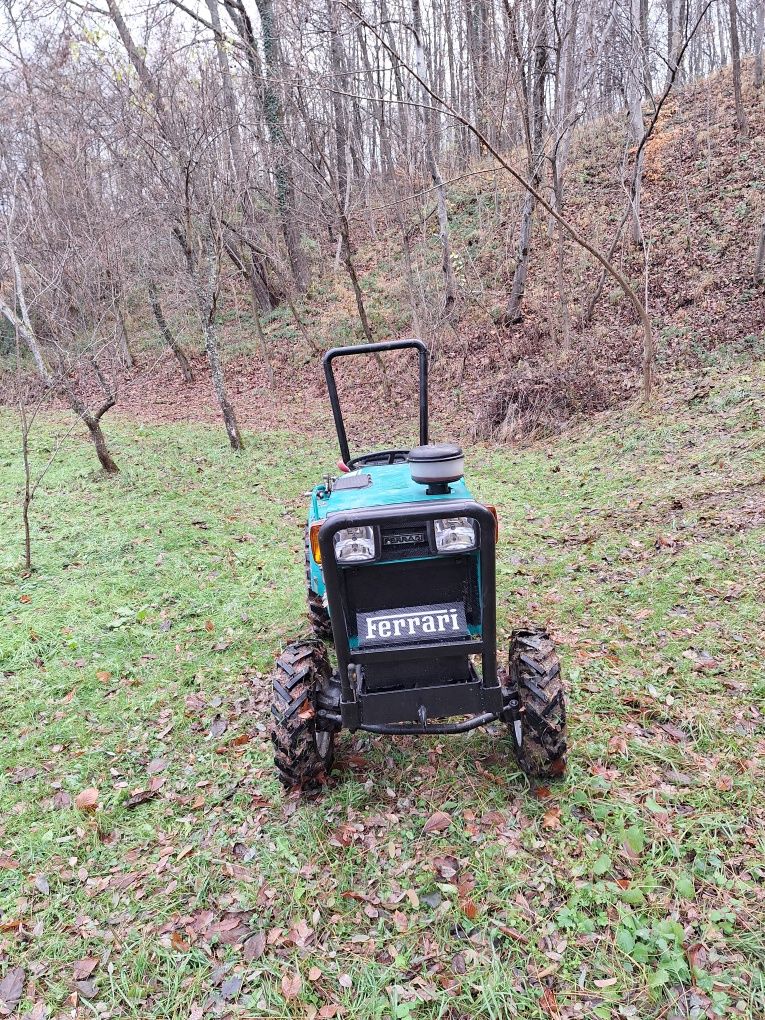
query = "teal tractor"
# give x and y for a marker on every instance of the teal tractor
(400, 565)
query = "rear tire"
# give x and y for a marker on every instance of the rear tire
(318, 615)
(538, 730)
(303, 754)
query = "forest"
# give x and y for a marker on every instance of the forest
(565, 201)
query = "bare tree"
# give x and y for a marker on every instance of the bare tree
(735, 48)
(61, 379)
(759, 259)
(759, 35)
(167, 334)
(426, 116)
(192, 177)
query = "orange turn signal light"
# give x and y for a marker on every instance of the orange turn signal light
(493, 511)
(315, 550)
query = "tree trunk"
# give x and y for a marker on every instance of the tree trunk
(645, 47)
(219, 384)
(759, 259)
(93, 423)
(244, 265)
(123, 344)
(635, 90)
(514, 311)
(735, 49)
(450, 281)
(261, 296)
(168, 335)
(206, 294)
(670, 39)
(341, 165)
(535, 92)
(759, 38)
(274, 118)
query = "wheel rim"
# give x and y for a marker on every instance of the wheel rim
(323, 740)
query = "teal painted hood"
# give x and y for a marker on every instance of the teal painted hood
(391, 484)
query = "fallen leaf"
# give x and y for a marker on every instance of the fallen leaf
(548, 1003)
(432, 899)
(85, 967)
(87, 800)
(605, 982)
(231, 987)
(8, 862)
(301, 934)
(551, 818)
(25, 599)
(254, 947)
(469, 909)
(140, 797)
(330, 1010)
(345, 981)
(291, 985)
(437, 822)
(218, 726)
(209, 626)
(314, 974)
(11, 988)
(42, 885)
(87, 989)
(178, 942)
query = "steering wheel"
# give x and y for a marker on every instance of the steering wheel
(380, 457)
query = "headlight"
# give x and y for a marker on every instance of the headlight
(354, 545)
(455, 534)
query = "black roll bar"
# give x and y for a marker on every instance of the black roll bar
(387, 345)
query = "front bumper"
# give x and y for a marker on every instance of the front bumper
(415, 682)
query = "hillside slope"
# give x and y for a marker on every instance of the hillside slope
(703, 203)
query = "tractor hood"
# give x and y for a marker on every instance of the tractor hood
(385, 485)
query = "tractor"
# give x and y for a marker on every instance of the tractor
(400, 568)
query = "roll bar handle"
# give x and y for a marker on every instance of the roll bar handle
(386, 345)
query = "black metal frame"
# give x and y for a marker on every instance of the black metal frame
(381, 711)
(388, 345)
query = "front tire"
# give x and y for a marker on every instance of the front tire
(538, 723)
(303, 753)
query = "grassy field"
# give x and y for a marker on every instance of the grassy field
(134, 663)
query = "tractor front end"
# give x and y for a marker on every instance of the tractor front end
(410, 592)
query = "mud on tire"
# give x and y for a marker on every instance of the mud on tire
(303, 754)
(535, 679)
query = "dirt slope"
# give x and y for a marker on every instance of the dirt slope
(703, 202)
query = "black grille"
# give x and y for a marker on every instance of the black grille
(379, 586)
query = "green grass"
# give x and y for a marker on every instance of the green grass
(138, 652)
